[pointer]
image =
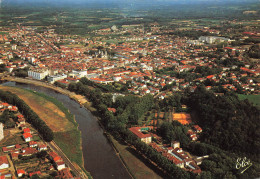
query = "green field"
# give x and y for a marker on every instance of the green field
(255, 99)
(137, 165)
(74, 151)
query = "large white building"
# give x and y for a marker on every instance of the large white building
(52, 79)
(78, 74)
(212, 39)
(38, 74)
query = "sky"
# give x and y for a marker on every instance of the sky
(121, 3)
(132, 1)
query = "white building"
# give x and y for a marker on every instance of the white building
(213, 39)
(60, 165)
(1, 131)
(52, 79)
(27, 137)
(42, 147)
(14, 47)
(117, 78)
(78, 74)
(4, 162)
(38, 74)
(194, 42)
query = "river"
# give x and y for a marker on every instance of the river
(99, 157)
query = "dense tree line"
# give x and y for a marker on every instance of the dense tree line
(29, 114)
(252, 40)
(172, 170)
(59, 84)
(103, 87)
(172, 101)
(226, 121)
(3, 68)
(254, 51)
(228, 62)
(174, 131)
(21, 72)
(93, 94)
(205, 70)
(223, 165)
(131, 108)
(193, 34)
(7, 118)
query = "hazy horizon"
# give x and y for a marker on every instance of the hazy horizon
(125, 2)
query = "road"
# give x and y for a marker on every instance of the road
(53, 146)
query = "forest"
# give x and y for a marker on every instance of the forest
(227, 122)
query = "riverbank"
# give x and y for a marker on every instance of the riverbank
(130, 160)
(78, 98)
(64, 126)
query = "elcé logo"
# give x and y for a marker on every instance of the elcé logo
(242, 163)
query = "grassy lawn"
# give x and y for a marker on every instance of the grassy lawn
(12, 140)
(88, 105)
(255, 99)
(71, 139)
(139, 168)
(57, 117)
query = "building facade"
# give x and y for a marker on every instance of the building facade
(38, 74)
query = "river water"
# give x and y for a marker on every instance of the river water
(99, 157)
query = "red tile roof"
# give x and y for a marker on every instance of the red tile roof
(138, 133)
(65, 173)
(20, 171)
(26, 130)
(55, 156)
(33, 173)
(3, 160)
(27, 135)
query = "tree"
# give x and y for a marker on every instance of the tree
(72, 86)
(5, 116)
(254, 51)
(35, 176)
(208, 165)
(21, 73)
(204, 175)
(42, 154)
(3, 68)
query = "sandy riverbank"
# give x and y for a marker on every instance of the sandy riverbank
(79, 98)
